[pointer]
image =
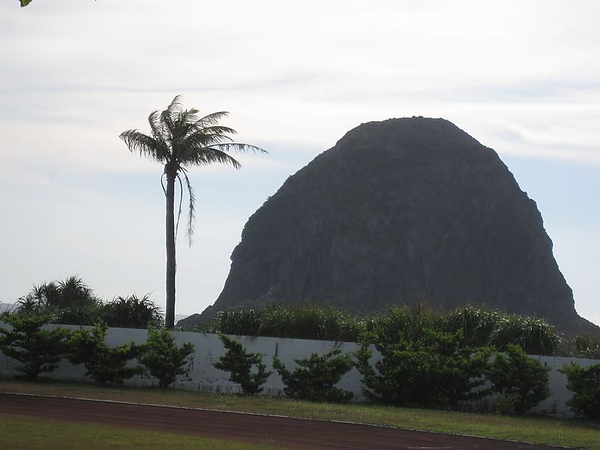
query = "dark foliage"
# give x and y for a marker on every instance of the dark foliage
(162, 359)
(587, 346)
(522, 382)
(477, 327)
(535, 336)
(72, 302)
(105, 365)
(431, 370)
(299, 322)
(238, 322)
(314, 378)
(481, 327)
(132, 312)
(585, 385)
(68, 302)
(241, 365)
(37, 348)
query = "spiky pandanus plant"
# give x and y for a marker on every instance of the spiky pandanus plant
(181, 139)
(69, 301)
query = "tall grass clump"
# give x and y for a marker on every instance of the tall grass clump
(298, 322)
(407, 323)
(481, 327)
(477, 327)
(238, 322)
(475, 324)
(535, 336)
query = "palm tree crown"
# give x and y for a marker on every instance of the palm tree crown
(180, 139)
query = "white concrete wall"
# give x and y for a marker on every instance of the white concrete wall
(208, 349)
(555, 405)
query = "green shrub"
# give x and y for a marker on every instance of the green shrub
(162, 359)
(520, 382)
(314, 378)
(69, 301)
(103, 364)
(432, 370)
(585, 385)
(38, 349)
(240, 363)
(132, 312)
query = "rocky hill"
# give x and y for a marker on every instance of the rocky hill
(401, 211)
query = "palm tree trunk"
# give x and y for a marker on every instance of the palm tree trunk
(171, 265)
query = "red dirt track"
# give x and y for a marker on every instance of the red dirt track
(281, 432)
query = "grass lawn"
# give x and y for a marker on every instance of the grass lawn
(21, 433)
(542, 430)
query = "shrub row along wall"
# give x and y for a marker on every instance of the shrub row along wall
(203, 376)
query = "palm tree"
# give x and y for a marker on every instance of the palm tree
(180, 139)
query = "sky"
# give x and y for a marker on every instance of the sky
(521, 77)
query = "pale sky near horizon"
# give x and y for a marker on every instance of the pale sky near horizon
(521, 77)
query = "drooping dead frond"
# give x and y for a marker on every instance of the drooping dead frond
(192, 208)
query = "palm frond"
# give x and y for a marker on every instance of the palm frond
(199, 141)
(169, 120)
(160, 130)
(146, 145)
(238, 147)
(174, 107)
(211, 119)
(161, 134)
(210, 130)
(208, 155)
(191, 208)
(188, 117)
